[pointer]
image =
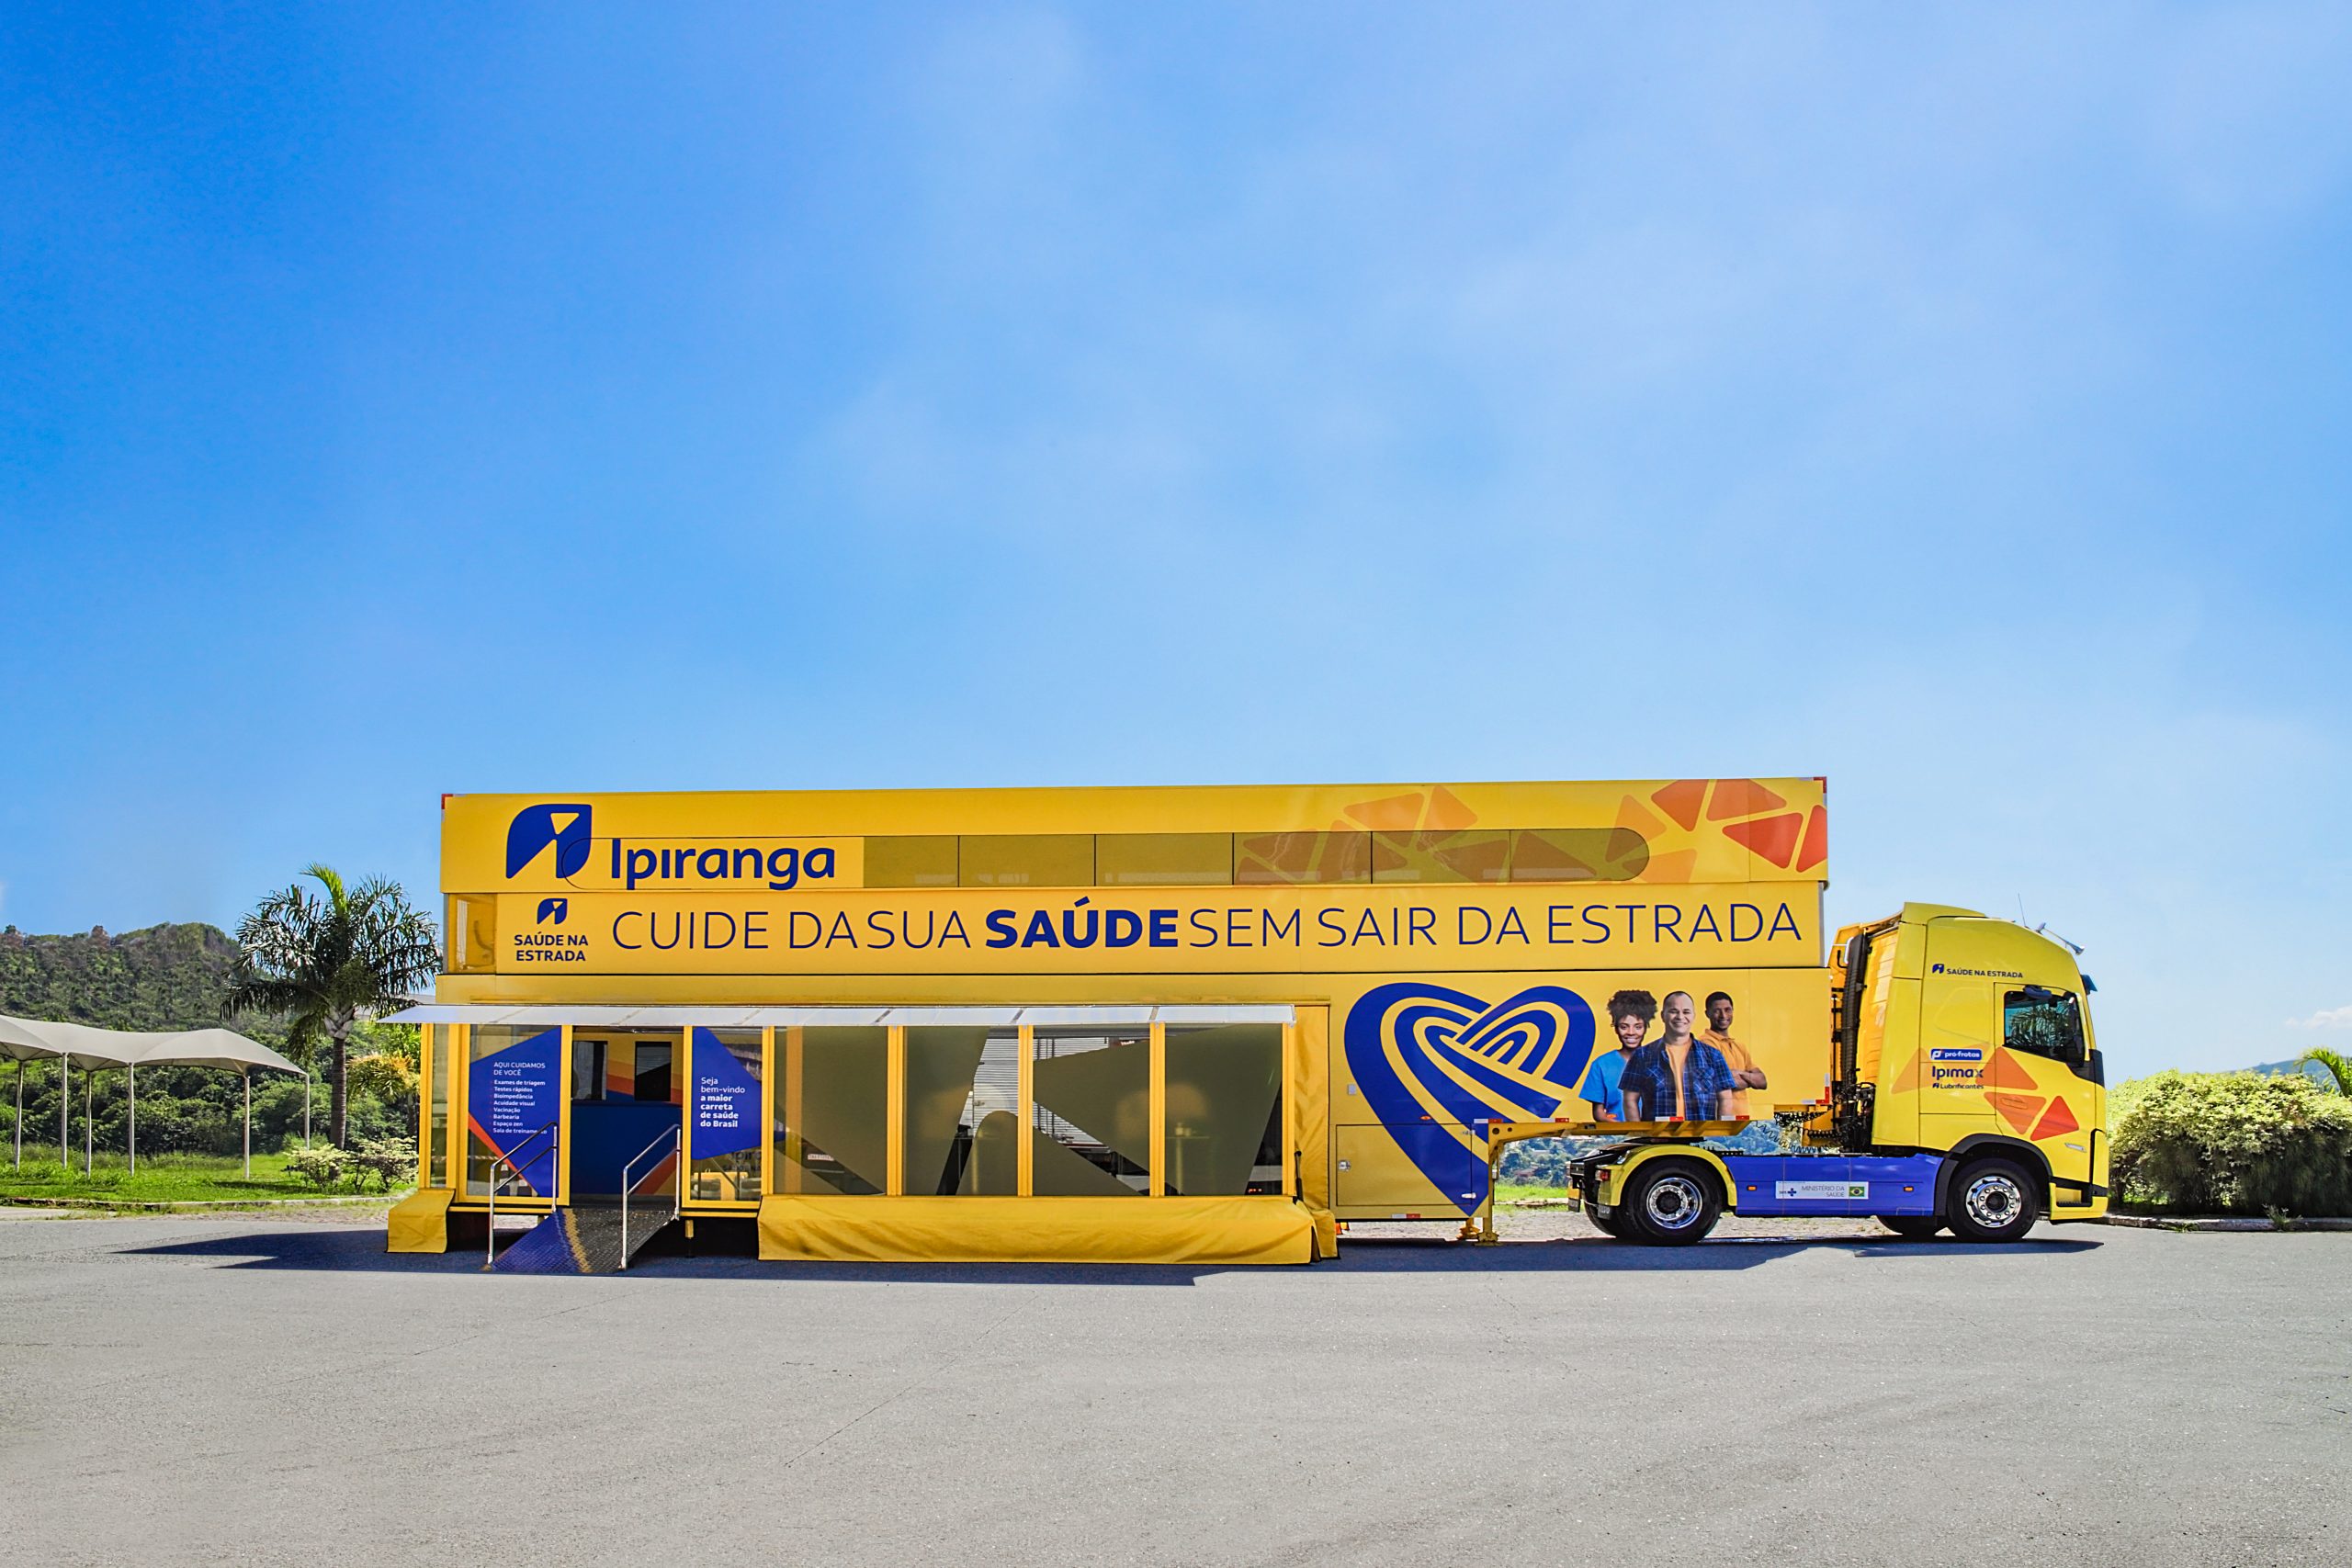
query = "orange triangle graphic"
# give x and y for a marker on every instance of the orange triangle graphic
(1632, 815)
(1676, 867)
(1391, 812)
(2060, 1118)
(2017, 1110)
(1741, 797)
(1815, 848)
(1680, 800)
(1447, 811)
(1908, 1078)
(2008, 1071)
(1774, 838)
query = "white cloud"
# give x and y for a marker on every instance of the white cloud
(2326, 1018)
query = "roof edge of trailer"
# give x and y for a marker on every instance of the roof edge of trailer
(678, 1016)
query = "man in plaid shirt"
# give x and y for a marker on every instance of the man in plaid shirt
(1677, 1077)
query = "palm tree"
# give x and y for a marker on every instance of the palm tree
(2339, 1066)
(322, 962)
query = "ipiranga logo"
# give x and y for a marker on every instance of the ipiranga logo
(567, 826)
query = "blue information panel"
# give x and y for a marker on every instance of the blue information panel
(512, 1093)
(726, 1100)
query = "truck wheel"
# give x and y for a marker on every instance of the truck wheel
(1671, 1203)
(1614, 1226)
(1991, 1201)
(1912, 1227)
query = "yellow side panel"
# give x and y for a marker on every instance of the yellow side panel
(1034, 1230)
(1377, 1177)
(420, 1222)
(1310, 1101)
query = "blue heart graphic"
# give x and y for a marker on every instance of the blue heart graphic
(1437, 1065)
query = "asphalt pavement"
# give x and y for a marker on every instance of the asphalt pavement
(197, 1390)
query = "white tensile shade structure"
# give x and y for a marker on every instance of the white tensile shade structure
(93, 1049)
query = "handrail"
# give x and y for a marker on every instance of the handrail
(514, 1171)
(667, 1135)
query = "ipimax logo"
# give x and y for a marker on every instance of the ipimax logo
(535, 828)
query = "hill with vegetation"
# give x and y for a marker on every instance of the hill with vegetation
(178, 976)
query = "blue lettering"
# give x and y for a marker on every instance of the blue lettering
(1600, 925)
(1704, 924)
(881, 927)
(1276, 931)
(1339, 933)
(1632, 930)
(841, 933)
(626, 915)
(1511, 927)
(1236, 928)
(784, 875)
(1040, 933)
(1783, 921)
(1369, 924)
(1207, 927)
(641, 863)
(653, 928)
(711, 864)
(1122, 927)
(1555, 917)
(754, 928)
(792, 930)
(1754, 930)
(1660, 927)
(1071, 927)
(752, 856)
(820, 863)
(930, 928)
(1163, 928)
(1421, 925)
(717, 914)
(1462, 925)
(954, 930)
(1001, 933)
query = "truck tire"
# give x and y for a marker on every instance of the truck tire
(1990, 1200)
(1614, 1226)
(1671, 1202)
(1912, 1227)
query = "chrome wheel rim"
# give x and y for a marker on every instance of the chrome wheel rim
(1673, 1202)
(1994, 1199)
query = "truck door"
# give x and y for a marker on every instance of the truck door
(1960, 1025)
(2045, 1087)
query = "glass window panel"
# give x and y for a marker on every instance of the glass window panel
(1091, 1133)
(725, 1080)
(513, 1094)
(915, 861)
(963, 1128)
(1478, 855)
(472, 927)
(587, 1068)
(2043, 1023)
(833, 1110)
(1025, 860)
(1163, 860)
(1225, 1109)
(1578, 854)
(444, 1066)
(1261, 858)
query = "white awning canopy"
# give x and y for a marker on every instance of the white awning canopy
(89, 1047)
(678, 1017)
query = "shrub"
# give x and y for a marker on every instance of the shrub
(321, 1167)
(391, 1161)
(2234, 1143)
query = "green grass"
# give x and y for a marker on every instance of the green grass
(1522, 1192)
(162, 1178)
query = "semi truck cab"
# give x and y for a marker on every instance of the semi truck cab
(1965, 1091)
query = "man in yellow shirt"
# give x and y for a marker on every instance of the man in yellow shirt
(1743, 1070)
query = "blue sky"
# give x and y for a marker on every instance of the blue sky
(1952, 402)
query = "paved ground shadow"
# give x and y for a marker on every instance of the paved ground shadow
(362, 1251)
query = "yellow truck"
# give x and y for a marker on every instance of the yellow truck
(1199, 1024)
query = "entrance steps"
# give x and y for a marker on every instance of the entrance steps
(581, 1239)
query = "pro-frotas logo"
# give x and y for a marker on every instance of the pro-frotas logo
(535, 826)
(1436, 1065)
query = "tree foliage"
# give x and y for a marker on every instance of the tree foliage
(2234, 1143)
(322, 960)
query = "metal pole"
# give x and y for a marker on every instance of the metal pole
(248, 1123)
(20, 1113)
(131, 1137)
(64, 1109)
(89, 1122)
(306, 1108)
